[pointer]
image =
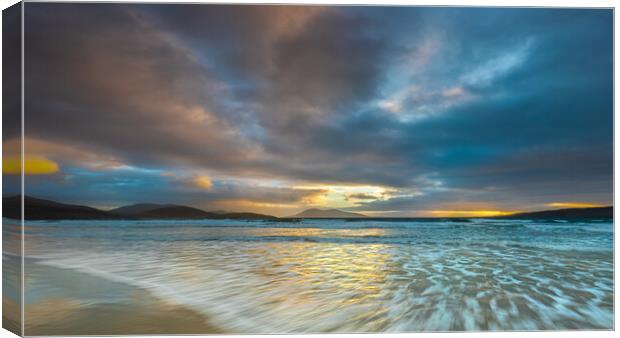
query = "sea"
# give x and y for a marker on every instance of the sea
(338, 275)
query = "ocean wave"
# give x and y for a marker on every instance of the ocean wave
(306, 286)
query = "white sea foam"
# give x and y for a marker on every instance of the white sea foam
(405, 279)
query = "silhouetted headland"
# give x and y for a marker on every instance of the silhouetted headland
(41, 209)
(572, 213)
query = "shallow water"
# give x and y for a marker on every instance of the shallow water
(347, 276)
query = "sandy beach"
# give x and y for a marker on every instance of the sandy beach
(67, 302)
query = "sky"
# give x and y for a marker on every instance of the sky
(387, 111)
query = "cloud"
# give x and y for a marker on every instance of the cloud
(454, 92)
(12, 165)
(64, 153)
(573, 205)
(436, 105)
(202, 182)
(124, 186)
(125, 89)
(361, 196)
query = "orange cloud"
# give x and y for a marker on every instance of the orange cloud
(202, 181)
(32, 166)
(286, 21)
(68, 154)
(572, 205)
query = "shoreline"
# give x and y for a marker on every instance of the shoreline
(103, 279)
(73, 311)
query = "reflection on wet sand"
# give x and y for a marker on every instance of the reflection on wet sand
(64, 317)
(79, 306)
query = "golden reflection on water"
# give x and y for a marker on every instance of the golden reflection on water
(311, 269)
(316, 232)
(309, 283)
(297, 273)
(358, 270)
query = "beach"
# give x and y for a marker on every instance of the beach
(67, 302)
(233, 276)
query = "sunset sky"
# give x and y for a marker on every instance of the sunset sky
(386, 111)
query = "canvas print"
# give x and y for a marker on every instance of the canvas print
(226, 169)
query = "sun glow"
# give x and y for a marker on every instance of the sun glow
(343, 196)
(573, 205)
(470, 213)
(202, 181)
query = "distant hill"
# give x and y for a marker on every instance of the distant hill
(41, 209)
(573, 213)
(134, 209)
(219, 212)
(243, 215)
(327, 213)
(171, 211)
(176, 212)
(183, 212)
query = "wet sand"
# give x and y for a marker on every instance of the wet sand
(78, 313)
(11, 316)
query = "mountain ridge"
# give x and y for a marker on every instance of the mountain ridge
(42, 209)
(138, 208)
(568, 213)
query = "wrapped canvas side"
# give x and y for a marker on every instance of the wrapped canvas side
(12, 173)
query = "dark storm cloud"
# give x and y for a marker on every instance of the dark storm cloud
(540, 131)
(116, 74)
(116, 85)
(550, 118)
(291, 76)
(450, 103)
(11, 59)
